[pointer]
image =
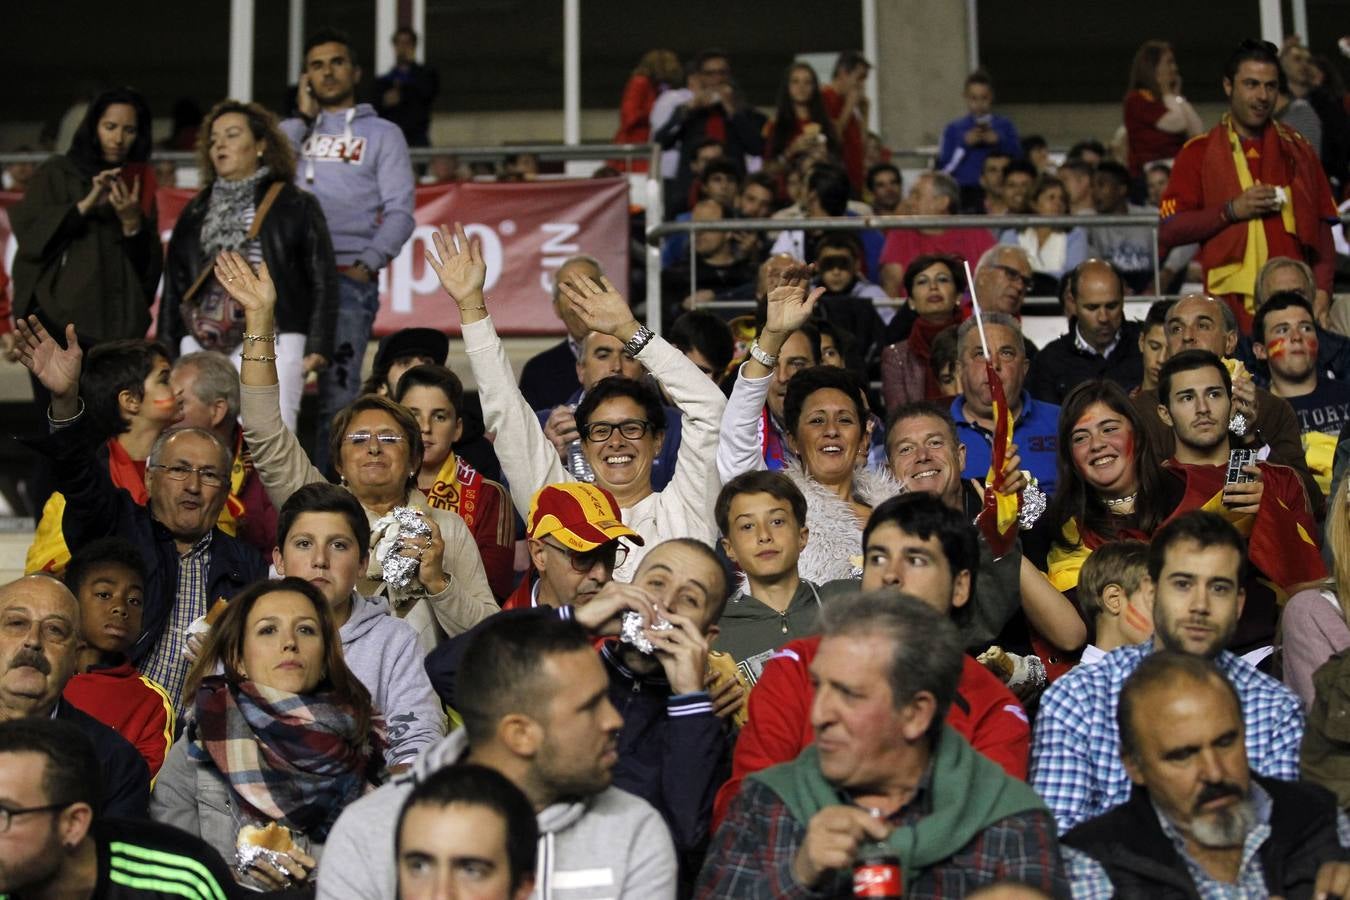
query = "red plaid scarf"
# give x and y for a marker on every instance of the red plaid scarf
(290, 758)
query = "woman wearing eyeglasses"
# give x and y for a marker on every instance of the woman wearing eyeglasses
(377, 448)
(934, 284)
(621, 420)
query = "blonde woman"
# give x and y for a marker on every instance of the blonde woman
(1314, 622)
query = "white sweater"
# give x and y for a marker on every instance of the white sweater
(529, 460)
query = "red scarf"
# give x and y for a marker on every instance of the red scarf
(457, 489)
(127, 473)
(921, 337)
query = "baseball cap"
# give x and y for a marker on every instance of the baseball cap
(581, 516)
(426, 342)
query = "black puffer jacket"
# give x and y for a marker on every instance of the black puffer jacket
(299, 256)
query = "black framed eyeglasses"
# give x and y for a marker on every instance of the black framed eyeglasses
(633, 429)
(179, 472)
(611, 555)
(7, 815)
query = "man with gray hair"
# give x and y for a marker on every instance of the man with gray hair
(1198, 820)
(1002, 278)
(190, 562)
(933, 194)
(1035, 423)
(207, 387)
(550, 376)
(885, 674)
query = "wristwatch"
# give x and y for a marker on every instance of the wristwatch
(641, 338)
(762, 356)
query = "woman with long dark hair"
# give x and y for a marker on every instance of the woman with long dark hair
(89, 251)
(249, 205)
(1158, 120)
(280, 732)
(1111, 485)
(801, 119)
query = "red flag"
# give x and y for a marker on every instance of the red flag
(998, 519)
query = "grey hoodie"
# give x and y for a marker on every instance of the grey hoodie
(357, 165)
(382, 651)
(614, 845)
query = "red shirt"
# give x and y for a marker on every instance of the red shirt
(130, 704)
(1148, 142)
(850, 136)
(967, 243)
(985, 713)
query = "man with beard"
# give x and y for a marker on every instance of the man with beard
(1198, 818)
(1195, 564)
(1267, 503)
(57, 839)
(39, 650)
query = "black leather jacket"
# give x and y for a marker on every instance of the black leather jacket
(299, 256)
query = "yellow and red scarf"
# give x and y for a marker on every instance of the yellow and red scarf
(457, 489)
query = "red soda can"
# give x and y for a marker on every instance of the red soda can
(876, 874)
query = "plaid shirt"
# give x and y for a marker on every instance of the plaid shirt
(1090, 881)
(751, 854)
(166, 663)
(1075, 749)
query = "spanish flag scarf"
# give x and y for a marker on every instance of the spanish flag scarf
(457, 489)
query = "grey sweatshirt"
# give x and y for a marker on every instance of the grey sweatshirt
(612, 845)
(357, 165)
(382, 651)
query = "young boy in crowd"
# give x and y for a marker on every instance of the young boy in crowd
(762, 516)
(108, 578)
(1115, 594)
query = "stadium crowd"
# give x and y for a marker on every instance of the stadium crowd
(701, 613)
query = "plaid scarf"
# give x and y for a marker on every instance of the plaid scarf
(291, 758)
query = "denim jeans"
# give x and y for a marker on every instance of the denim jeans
(339, 384)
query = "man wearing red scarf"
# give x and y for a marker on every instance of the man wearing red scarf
(1251, 190)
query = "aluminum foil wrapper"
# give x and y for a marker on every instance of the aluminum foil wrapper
(1033, 505)
(631, 631)
(248, 854)
(391, 533)
(1238, 424)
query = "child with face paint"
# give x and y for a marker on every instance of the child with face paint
(1115, 594)
(128, 402)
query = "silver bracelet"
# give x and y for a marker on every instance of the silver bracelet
(641, 338)
(762, 356)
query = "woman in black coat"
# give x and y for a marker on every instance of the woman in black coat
(253, 168)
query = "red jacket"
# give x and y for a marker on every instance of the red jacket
(985, 713)
(130, 704)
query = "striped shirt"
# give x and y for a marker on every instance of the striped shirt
(166, 664)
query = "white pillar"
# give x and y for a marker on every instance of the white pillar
(419, 25)
(1301, 20)
(386, 20)
(1272, 21)
(571, 71)
(295, 39)
(973, 35)
(240, 79)
(871, 50)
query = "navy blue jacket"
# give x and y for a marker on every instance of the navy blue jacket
(124, 777)
(673, 752)
(95, 508)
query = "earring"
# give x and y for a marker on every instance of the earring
(260, 154)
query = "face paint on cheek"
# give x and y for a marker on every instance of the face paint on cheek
(1277, 348)
(165, 403)
(1137, 620)
(1311, 343)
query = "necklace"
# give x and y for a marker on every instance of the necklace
(1121, 501)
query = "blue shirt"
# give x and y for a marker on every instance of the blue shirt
(1075, 747)
(966, 164)
(1035, 432)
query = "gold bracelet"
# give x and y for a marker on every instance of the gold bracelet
(473, 309)
(260, 337)
(245, 356)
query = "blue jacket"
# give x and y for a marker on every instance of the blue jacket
(673, 752)
(966, 164)
(1036, 434)
(95, 509)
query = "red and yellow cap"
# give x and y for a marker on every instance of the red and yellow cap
(581, 516)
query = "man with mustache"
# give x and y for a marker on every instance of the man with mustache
(1198, 819)
(40, 645)
(1195, 563)
(1195, 399)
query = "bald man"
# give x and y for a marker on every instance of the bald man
(1099, 343)
(39, 650)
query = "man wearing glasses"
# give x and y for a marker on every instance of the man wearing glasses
(190, 561)
(57, 837)
(574, 532)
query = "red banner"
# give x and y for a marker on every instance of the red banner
(527, 229)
